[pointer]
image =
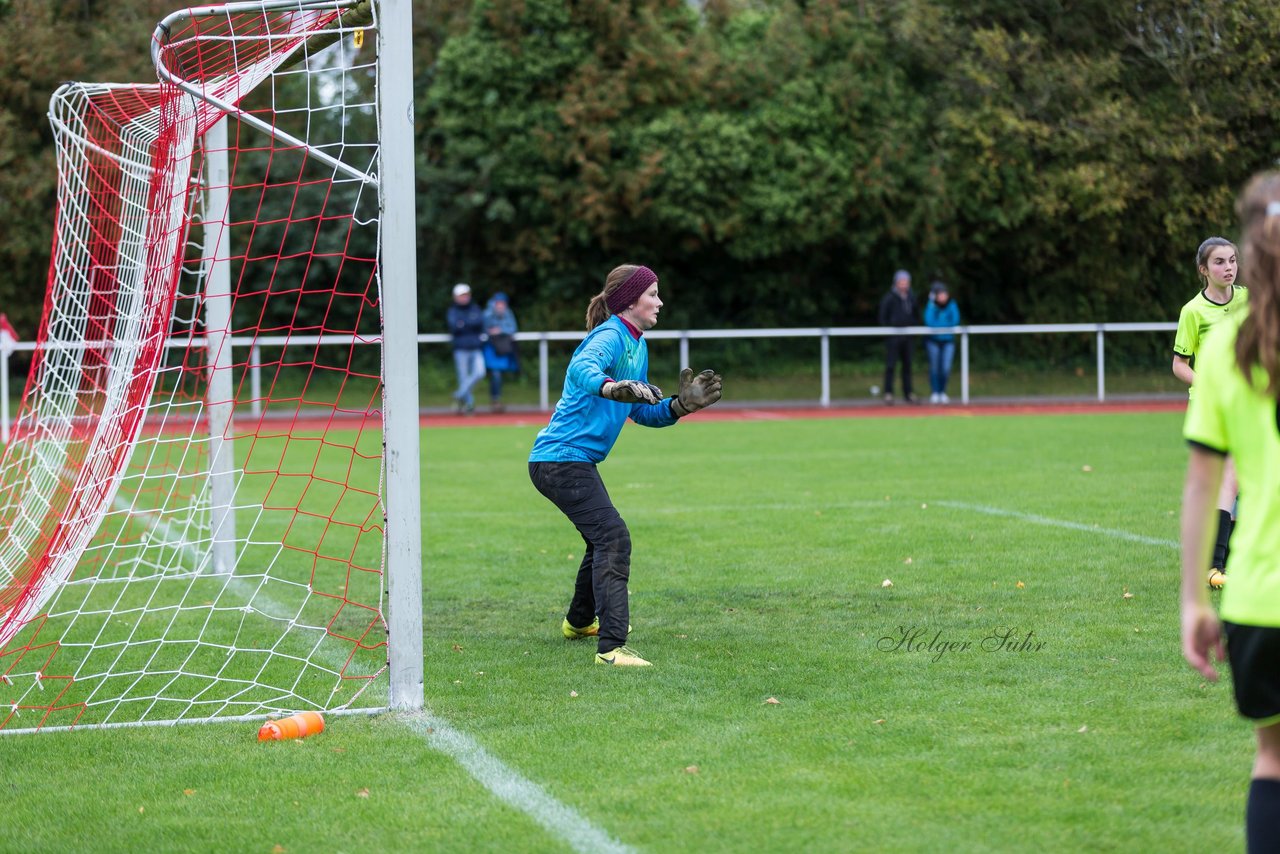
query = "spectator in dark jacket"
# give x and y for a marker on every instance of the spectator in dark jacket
(898, 308)
(466, 325)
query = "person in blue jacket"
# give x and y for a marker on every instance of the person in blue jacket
(940, 311)
(500, 355)
(606, 383)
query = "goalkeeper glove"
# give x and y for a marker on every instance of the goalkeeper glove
(696, 392)
(631, 391)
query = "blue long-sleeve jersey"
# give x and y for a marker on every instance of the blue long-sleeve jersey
(585, 425)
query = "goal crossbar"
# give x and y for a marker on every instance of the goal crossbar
(165, 29)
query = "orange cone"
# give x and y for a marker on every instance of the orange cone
(300, 725)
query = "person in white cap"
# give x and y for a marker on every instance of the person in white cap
(466, 325)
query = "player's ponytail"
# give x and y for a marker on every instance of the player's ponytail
(597, 311)
(1258, 343)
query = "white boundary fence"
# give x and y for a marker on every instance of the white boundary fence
(823, 335)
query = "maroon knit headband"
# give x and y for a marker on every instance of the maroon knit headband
(630, 290)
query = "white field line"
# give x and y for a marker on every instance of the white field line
(555, 817)
(1057, 523)
(895, 504)
(509, 787)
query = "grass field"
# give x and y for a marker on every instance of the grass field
(1045, 543)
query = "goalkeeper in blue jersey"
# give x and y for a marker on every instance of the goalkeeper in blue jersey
(1221, 297)
(606, 383)
(1236, 411)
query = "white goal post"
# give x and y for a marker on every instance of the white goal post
(400, 354)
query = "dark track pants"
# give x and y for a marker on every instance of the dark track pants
(601, 588)
(897, 348)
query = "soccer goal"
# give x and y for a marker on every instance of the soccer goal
(177, 541)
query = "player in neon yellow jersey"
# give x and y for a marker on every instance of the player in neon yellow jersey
(1218, 300)
(1235, 411)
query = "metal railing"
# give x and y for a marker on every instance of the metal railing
(823, 335)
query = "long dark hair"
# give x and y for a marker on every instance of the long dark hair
(598, 308)
(1258, 342)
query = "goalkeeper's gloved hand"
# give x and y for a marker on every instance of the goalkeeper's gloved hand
(631, 391)
(696, 392)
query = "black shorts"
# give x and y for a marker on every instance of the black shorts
(1254, 653)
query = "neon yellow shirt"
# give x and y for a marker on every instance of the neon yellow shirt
(1198, 316)
(1230, 415)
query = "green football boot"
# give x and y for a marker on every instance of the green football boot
(572, 633)
(622, 656)
(590, 631)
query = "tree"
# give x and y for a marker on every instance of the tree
(773, 161)
(746, 148)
